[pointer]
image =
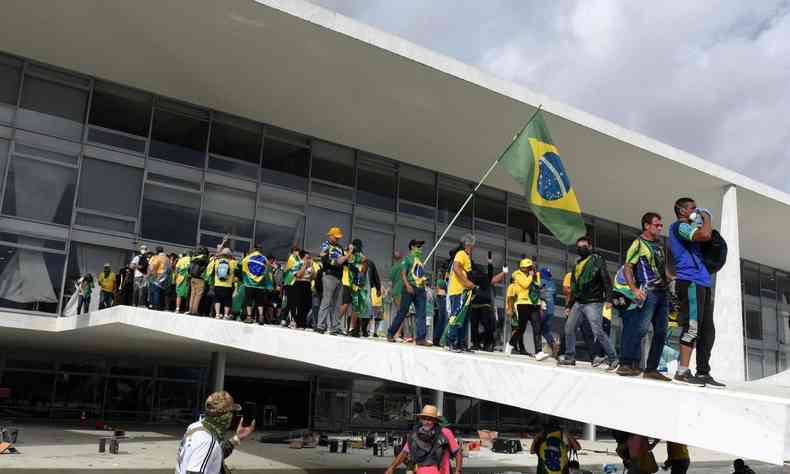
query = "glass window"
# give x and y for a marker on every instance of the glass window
(52, 107)
(767, 285)
(179, 138)
(31, 394)
(751, 279)
(211, 241)
(51, 184)
(333, 163)
(377, 246)
(84, 259)
(75, 394)
(755, 364)
(110, 187)
(228, 211)
(10, 73)
(770, 362)
(376, 187)
(607, 240)
(522, 226)
(770, 325)
(129, 399)
(277, 231)
(237, 139)
(783, 281)
(491, 210)
(451, 196)
(123, 110)
(170, 214)
(629, 234)
(753, 321)
(176, 402)
(319, 221)
(4, 146)
(405, 234)
(417, 192)
(285, 164)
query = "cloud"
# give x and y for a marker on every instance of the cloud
(709, 77)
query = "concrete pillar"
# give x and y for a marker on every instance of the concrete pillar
(216, 381)
(439, 398)
(589, 432)
(727, 358)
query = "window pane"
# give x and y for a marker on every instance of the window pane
(377, 246)
(4, 146)
(522, 226)
(211, 241)
(101, 184)
(88, 219)
(84, 259)
(755, 364)
(121, 109)
(753, 321)
(77, 393)
(277, 231)
(751, 279)
(405, 234)
(41, 271)
(767, 285)
(770, 325)
(319, 221)
(129, 395)
(232, 166)
(31, 394)
(10, 72)
(170, 215)
(179, 138)
(51, 185)
(176, 402)
(417, 186)
(490, 210)
(607, 237)
(333, 163)
(285, 164)
(783, 280)
(228, 211)
(117, 140)
(376, 188)
(451, 196)
(53, 108)
(236, 142)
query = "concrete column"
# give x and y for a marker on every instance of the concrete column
(727, 358)
(589, 432)
(216, 381)
(439, 396)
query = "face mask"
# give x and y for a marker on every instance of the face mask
(583, 252)
(417, 252)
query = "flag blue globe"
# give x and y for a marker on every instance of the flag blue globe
(553, 181)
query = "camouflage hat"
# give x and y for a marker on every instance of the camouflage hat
(221, 402)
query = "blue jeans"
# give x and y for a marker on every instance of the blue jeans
(636, 323)
(593, 313)
(418, 298)
(440, 320)
(154, 295)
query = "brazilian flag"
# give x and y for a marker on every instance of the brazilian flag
(534, 161)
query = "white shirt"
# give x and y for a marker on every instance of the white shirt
(199, 451)
(135, 262)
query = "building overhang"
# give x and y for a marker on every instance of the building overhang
(301, 67)
(695, 416)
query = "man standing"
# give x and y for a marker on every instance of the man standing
(140, 266)
(412, 276)
(394, 294)
(553, 446)
(527, 307)
(693, 289)
(182, 279)
(481, 311)
(107, 285)
(124, 286)
(197, 285)
(204, 447)
(459, 295)
(223, 270)
(590, 292)
(645, 274)
(253, 272)
(159, 276)
(430, 446)
(333, 258)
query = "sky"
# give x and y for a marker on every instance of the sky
(708, 77)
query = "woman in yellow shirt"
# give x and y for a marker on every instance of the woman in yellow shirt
(527, 306)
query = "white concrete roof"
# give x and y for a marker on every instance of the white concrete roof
(747, 420)
(298, 66)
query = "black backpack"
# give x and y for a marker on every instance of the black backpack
(196, 267)
(714, 252)
(142, 264)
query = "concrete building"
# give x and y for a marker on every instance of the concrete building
(173, 124)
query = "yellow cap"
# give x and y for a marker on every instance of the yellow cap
(527, 262)
(335, 232)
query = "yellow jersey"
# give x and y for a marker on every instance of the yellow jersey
(456, 287)
(375, 297)
(215, 265)
(525, 287)
(107, 281)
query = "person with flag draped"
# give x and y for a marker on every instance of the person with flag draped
(412, 279)
(292, 266)
(460, 292)
(182, 279)
(534, 161)
(358, 266)
(254, 269)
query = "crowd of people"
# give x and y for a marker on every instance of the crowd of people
(339, 291)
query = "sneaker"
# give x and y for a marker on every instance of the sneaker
(655, 375)
(688, 379)
(627, 371)
(612, 365)
(424, 343)
(320, 331)
(508, 348)
(566, 361)
(456, 350)
(710, 381)
(541, 356)
(391, 339)
(598, 361)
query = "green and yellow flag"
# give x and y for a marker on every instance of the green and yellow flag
(534, 161)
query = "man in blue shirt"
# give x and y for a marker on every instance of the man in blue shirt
(693, 288)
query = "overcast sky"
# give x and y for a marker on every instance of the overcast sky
(709, 77)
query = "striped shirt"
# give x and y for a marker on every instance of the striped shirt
(199, 451)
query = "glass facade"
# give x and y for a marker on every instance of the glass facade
(93, 163)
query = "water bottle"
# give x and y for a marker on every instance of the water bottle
(609, 468)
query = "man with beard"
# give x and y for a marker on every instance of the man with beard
(430, 446)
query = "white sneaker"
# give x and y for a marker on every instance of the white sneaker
(508, 348)
(541, 356)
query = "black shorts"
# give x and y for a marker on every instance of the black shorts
(223, 295)
(695, 305)
(346, 295)
(255, 297)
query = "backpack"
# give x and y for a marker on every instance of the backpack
(196, 268)
(223, 270)
(142, 264)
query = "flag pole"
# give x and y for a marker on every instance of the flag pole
(480, 183)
